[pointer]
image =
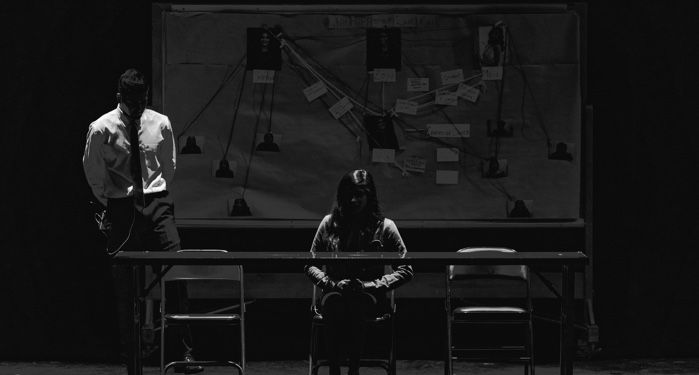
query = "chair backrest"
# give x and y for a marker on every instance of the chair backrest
(517, 272)
(204, 272)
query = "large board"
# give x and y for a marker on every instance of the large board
(204, 82)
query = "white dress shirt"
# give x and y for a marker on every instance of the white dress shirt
(108, 151)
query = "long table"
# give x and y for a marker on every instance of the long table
(566, 262)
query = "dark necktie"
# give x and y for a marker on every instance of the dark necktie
(136, 158)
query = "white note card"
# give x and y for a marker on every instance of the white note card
(415, 164)
(406, 106)
(315, 91)
(449, 130)
(262, 76)
(452, 76)
(447, 154)
(467, 92)
(492, 73)
(341, 107)
(384, 75)
(383, 155)
(447, 177)
(418, 84)
(446, 98)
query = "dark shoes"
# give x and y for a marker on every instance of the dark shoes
(188, 369)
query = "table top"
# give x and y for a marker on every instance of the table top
(321, 258)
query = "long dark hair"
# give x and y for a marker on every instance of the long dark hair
(370, 217)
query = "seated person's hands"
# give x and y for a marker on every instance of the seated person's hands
(342, 285)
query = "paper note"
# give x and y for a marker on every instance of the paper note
(445, 154)
(262, 76)
(384, 75)
(383, 155)
(418, 84)
(447, 177)
(406, 106)
(405, 20)
(449, 130)
(382, 20)
(446, 98)
(467, 92)
(315, 91)
(341, 107)
(452, 76)
(491, 73)
(415, 164)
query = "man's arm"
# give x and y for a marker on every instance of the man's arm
(168, 153)
(93, 163)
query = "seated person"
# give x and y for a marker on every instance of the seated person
(351, 294)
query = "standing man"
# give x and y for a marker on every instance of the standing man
(129, 162)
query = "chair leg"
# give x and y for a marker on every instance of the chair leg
(312, 355)
(531, 348)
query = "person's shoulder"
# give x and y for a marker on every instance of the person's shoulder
(156, 117)
(389, 224)
(326, 220)
(105, 121)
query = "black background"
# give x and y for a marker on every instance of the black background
(62, 60)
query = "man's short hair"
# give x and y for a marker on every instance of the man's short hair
(132, 82)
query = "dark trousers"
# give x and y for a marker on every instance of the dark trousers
(345, 315)
(146, 223)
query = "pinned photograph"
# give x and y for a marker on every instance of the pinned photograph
(383, 48)
(380, 132)
(494, 168)
(520, 208)
(562, 151)
(264, 51)
(502, 129)
(193, 145)
(223, 168)
(270, 142)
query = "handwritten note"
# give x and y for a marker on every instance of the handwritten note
(415, 164)
(262, 76)
(341, 107)
(418, 84)
(382, 20)
(452, 76)
(467, 92)
(315, 91)
(449, 130)
(445, 177)
(384, 75)
(406, 106)
(447, 154)
(405, 20)
(383, 155)
(446, 98)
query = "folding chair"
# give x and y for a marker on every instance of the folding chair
(382, 320)
(232, 277)
(468, 314)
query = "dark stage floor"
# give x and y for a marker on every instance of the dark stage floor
(421, 367)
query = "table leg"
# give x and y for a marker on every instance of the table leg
(136, 307)
(567, 338)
